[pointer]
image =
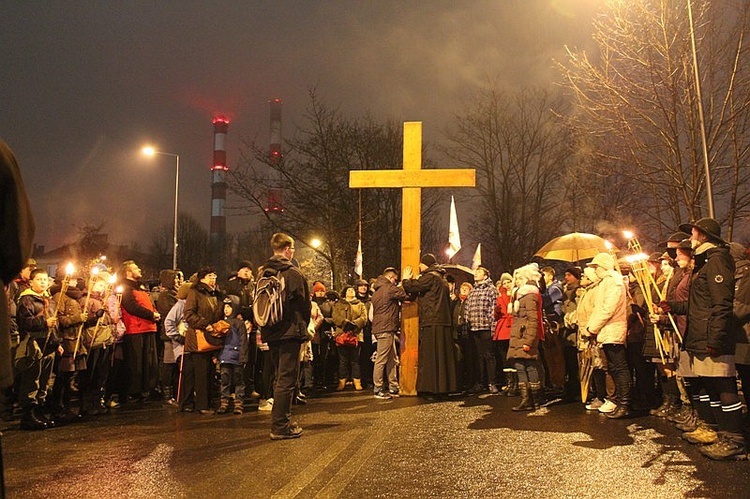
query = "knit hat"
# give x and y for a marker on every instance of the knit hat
(506, 277)
(319, 286)
(245, 264)
(574, 271)
(428, 259)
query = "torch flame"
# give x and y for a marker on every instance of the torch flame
(118, 290)
(69, 268)
(113, 278)
(608, 244)
(628, 234)
(95, 271)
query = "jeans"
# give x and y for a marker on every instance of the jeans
(617, 362)
(285, 359)
(527, 370)
(385, 362)
(233, 376)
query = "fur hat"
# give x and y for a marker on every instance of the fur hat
(603, 260)
(428, 259)
(529, 273)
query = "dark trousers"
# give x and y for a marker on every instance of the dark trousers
(195, 382)
(617, 365)
(572, 381)
(91, 382)
(285, 359)
(116, 382)
(501, 352)
(233, 378)
(349, 362)
(743, 371)
(486, 355)
(643, 374)
(33, 381)
(140, 362)
(469, 363)
(249, 370)
(365, 357)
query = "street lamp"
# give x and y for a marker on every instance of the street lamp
(150, 151)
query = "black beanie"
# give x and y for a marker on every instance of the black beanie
(428, 259)
(574, 271)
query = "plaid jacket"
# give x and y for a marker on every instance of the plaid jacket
(480, 306)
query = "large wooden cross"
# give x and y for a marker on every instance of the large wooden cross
(411, 179)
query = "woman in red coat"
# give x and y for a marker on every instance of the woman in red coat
(501, 337)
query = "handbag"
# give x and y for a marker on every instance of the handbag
(347, 339)
(220, 329)
(207, 342)
(98, 336)
(27, 352)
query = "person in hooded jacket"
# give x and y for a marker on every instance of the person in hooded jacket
(523, 349)
(243, 286)
(203, 309)
(233, 357)
(349, 316)
(386, 323)
(437, 367)
(742, 317)
(175, 328)
(285, 337)
(501, 336)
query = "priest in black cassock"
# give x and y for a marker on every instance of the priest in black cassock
(437, 373)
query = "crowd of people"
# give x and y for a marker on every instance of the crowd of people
(664, 336)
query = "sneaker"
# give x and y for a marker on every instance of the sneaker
(265, 405)
(394, 392)
(113, 403)
(725, 449)
(383, 396)
(493, 389)
(702, 435)
(594, 405)
(293, 431)
(607, 407)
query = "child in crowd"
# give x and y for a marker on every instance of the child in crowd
(233, 357)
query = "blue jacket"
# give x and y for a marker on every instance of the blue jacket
(234, 350)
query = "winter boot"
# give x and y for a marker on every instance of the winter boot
(667, 408)
(729, 447)
(526, 403)
(238, 406)
(224, 406)
(536, 398)
(357, 384)
(341, 385)
(704, 434)
(512, 390)
(31, 422)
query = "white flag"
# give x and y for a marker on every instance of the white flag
(476, 262)
(358, 260)
(454, 239)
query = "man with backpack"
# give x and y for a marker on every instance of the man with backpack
(282, 310)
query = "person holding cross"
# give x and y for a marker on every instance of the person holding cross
(436, 375)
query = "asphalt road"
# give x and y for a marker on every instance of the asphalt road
(356, 446)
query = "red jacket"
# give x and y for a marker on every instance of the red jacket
(137, 309)
(504, 319)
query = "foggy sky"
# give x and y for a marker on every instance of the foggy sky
(85, 84)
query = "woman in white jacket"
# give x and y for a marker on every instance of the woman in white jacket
(608, 323)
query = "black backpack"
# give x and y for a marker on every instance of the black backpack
(269, 297)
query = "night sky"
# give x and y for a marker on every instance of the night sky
(86, 84)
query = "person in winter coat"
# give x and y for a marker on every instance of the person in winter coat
(609, 324)
(233, 357)
(349, 317)
(37, 319)
(71, 318)
(285, 338)
(437, 372)
(467, 365)
(711, 339)
(243, 286)
(170, 281)
(501, 336)
(386, 323)
(742, 315)
(203, 309)
(588, 348)
(479, 312)
(523, 349)
(175, 328)
(140, 360)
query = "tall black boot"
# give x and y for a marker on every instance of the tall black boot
(526, 402)
(536, 391)
(30, 421)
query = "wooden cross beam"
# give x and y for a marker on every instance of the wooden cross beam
(411, 179)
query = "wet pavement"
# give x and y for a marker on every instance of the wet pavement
(357, 446)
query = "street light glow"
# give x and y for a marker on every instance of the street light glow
(316, 243)
(148, 151)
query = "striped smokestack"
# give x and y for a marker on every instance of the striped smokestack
(219, 196)
(275, 203)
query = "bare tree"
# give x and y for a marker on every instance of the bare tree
(520, 149)
(638, 107)
(316, 201)
(192, 251)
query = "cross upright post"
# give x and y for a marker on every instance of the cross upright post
(411, 179)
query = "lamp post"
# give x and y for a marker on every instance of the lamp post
(150, 151)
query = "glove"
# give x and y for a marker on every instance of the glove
(180, 339)
(712, 352)
(100, 313)
(664, 306)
